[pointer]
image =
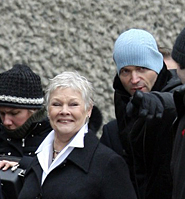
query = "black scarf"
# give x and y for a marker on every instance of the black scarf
(30, 124)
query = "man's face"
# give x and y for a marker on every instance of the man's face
(137, 78)
(181, 74)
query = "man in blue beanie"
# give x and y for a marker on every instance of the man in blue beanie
(178, 160)
(145, 111)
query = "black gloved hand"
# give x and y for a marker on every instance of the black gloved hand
(145, 105)
(179, 97)
(182, 89)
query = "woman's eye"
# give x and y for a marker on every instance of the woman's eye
(2, 114)
(55, 104)
(74, 104)
(14, 113)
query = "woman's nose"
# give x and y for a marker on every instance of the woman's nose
(64, 110)
(6, 120)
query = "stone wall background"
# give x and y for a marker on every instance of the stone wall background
(52, 36)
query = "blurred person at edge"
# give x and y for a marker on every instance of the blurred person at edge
(1, 193)
(166, 52)
(145, 111)
(178, 161)
(23, 116)
(71, 162)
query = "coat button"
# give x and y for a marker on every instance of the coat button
(8, 139)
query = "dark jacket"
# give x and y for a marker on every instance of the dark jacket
(1, 195)
(178, 160)
(146, 145)
(21, 144)
(92, 172)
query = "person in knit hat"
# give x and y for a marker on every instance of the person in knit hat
(178, 162)
(145, 111)
(166, 52)
(23, 116)
(24, 122)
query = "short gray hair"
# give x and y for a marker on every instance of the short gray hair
(75, 81)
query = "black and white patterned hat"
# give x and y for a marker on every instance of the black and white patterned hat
(20, 87)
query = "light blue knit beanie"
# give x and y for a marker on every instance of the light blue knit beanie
(137, 47)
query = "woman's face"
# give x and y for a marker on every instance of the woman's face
(13, 118)
(66, 111)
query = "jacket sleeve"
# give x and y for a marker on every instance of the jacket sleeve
(25, 162)
(110, 137)
(167, 100)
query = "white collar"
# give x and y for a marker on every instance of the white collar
(76, 141)
(45, 150)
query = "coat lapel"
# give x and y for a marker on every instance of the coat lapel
(37, 169)
(82, 156)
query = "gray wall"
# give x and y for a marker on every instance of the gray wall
(57, 35)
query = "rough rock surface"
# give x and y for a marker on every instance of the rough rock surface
(52, 36)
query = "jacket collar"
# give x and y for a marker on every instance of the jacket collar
(79, 156)
(164, 76)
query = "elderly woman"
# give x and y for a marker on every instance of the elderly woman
(70, 162)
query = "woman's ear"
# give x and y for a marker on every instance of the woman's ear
(48, 115)
(89, 111)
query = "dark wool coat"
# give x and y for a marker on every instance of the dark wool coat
(178, 155)
(92, 172)
(145, 145)
(19, 146)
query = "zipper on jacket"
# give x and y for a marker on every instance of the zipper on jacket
(23, 142)
(24, 139)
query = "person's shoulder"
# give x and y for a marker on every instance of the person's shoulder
(105, 149)
(174, 82)
(111, 124)
(107, 154)
(111, 127)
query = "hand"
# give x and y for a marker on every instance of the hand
(145, 105)
(182, 89)
(5, 164)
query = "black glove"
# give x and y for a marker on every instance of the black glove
(182, 89)
(145, 105)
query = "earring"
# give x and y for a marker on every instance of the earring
(87, 119)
